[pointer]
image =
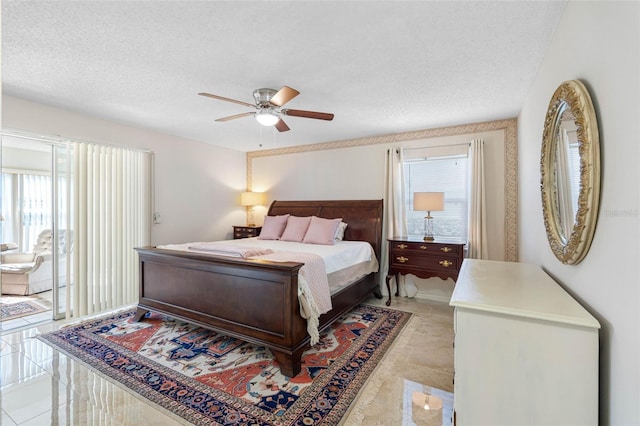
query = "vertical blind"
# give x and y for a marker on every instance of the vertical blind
(36, 207)
(112, 216)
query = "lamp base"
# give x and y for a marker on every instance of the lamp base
(428, 227)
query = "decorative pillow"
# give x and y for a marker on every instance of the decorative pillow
(273, 227)
(321, 231)
(296, 228)
(340, 232)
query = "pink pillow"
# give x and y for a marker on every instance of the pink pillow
(273, 227)
(296, 228)
(321, 231)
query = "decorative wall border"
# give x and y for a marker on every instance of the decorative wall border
(509, 126)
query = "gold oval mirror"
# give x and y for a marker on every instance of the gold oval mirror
(570, 168)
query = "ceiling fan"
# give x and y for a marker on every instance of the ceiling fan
(268, 103)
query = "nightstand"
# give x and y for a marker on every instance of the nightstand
(424, 259)
(246, 231)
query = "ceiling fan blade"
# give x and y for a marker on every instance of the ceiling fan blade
(284, 95)
(308, 114)
(282, 126)
(209, 95)
(233, 117)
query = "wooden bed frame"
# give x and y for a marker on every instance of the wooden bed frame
(255, 300)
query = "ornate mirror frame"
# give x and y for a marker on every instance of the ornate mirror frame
(571, 98)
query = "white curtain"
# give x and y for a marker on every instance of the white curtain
(36, 208)
(112, 215)
(395, 213)
(563, 185)
(477, 247)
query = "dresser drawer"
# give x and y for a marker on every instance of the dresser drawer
(431, 248)
(246, 231)
(414, 260)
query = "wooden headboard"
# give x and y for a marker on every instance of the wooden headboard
(363, 217)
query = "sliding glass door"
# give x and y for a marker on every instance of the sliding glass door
(34, 208)
(62, 192)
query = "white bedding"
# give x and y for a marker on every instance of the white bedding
(341, 255)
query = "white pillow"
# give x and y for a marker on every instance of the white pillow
(340, 232)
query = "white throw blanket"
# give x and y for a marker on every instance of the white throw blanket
(229, 250)
(313, 287)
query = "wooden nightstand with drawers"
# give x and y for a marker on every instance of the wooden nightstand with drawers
(423, 259)
(246, 231)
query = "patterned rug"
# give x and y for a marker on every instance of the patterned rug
(20, 306)
(209, 378)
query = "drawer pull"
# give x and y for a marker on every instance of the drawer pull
(446, 249)
(445, 263)
(402, 259)
(402, 246)
(423, 247)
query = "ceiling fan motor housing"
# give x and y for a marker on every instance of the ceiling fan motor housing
(263, 96)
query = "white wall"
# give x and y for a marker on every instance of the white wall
(358, 172)
(197, 185)
(597, 43)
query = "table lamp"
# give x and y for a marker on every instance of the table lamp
(429, 202)
(250, 200)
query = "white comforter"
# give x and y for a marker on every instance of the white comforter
(336, 257)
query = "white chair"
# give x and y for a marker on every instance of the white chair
(29, 273)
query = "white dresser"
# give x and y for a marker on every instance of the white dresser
(526, 353)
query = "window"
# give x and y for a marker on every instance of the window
(27, 206)
(446, 174)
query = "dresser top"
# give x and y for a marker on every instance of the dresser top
(518, 289)
(420, 239)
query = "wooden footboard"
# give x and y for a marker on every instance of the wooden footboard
(255, 301)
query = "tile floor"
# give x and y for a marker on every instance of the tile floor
(25, 322)
(40, 386)
(29, 320)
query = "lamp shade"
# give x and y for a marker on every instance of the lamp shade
(428, 201)
(251, 198)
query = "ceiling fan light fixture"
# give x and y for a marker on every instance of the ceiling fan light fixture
(267, 117)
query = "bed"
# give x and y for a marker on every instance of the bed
(256, 300)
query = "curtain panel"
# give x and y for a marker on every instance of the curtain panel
(477, 246)
(395, 211)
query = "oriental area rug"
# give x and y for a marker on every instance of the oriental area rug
(209, 378)
(12, 307)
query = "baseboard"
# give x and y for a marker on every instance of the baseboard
(434, 297)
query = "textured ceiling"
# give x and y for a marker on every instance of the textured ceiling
(380, 67)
